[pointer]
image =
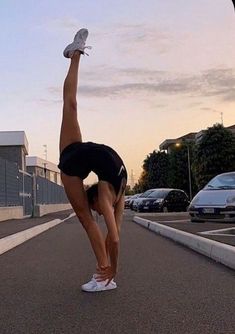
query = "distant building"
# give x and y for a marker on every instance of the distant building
(14, 147)
(169, 144)
(43, 168)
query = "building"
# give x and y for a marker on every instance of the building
(43, 168)
(169, 144)
(14, 147)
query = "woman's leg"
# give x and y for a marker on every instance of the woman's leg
(70, 133)
(70, 130)
(77, 196)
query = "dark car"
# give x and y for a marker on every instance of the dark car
(127, 201)
(132, 200)
(140, 198)
(164, 200)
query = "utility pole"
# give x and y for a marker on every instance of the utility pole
(132, 179)
(45, 163)
(222, 118)
(45, 151)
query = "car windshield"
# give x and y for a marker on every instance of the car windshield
(146, 193)
(159, 194)
(134, 196)
(223, 181)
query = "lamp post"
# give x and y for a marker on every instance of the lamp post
(189, 169)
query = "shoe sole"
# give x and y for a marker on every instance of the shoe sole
(100, 290)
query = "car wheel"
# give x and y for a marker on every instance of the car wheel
(165, 209)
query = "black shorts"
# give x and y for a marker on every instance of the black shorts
(79, 159)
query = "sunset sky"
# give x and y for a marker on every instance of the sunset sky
(158, 69)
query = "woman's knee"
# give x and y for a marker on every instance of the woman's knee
(70, 103)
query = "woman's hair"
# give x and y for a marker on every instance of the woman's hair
(92, 193)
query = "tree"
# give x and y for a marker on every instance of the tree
(155, 170)
(128, 190)
(178, 176)
(214, 154)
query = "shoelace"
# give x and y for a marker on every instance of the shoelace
(87, 47)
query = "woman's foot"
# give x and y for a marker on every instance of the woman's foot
(79, 43)
(94, 286)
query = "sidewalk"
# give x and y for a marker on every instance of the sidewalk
(9, 227)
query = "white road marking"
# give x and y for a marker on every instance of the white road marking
(16, 239)
(174, 221)
(220, 232)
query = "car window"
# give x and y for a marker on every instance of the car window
(170, 195)
(224, 181)
(158, 194)
(146, 193)
(181, 196)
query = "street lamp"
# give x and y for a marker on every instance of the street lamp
(189, 169)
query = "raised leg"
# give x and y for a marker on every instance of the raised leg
(70, 129)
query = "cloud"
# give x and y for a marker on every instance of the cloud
(50, 101)
(141, 82)
(59, 24)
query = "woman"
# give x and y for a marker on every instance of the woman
(77, 160)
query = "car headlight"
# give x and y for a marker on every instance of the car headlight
(158, 201)
(191, 207)
(230, 200)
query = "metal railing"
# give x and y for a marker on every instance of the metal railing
(19, 188)
(9, 184)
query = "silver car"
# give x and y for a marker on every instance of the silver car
(216, 201)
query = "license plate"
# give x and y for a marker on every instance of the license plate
(209, 210)
(146, 207)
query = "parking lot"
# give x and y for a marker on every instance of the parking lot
(162, 286)
(181, 221)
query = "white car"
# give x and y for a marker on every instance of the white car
(216, 201)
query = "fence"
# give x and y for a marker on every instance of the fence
(9, 184)
(19, 188)
(48, 192)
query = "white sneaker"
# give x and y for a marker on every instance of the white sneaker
(94, 286)
(78, 43)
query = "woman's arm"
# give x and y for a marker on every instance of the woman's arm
(106, 206)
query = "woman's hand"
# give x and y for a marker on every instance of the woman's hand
(106, 273)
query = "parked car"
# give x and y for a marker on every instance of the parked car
(127, 201)
(164, 200)
(132, 200)
(216, 201)
(140, 198)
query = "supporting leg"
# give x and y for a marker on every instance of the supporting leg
(78, 199)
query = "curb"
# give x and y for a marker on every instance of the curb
(16, 239)
(215, 250)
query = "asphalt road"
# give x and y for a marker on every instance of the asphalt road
(162, 287)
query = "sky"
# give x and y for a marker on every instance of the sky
(157, 70)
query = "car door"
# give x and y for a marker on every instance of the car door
(170, 201)
(180, 201)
